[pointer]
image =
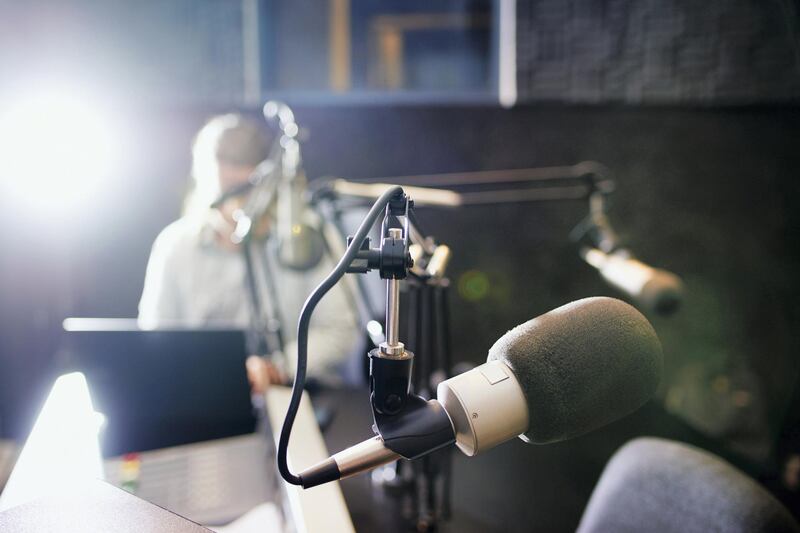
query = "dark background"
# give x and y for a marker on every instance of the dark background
(694, 109)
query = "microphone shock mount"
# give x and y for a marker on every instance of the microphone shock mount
(407, 423)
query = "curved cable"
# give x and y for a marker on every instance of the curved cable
(305, 319)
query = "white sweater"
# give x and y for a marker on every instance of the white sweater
(191, 281)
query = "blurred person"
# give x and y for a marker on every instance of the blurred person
(196, 276)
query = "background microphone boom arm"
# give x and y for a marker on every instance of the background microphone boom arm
(652, 289)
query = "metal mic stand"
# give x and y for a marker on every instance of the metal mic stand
(269, 184)
(265, 335)
(428, 486)
(423, 485)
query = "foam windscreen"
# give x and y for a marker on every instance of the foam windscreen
(581, 366)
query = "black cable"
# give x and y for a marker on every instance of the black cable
(305, 318)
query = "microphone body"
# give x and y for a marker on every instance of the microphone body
(558, 376)
(486, 406)
(300, 245)
(655, 289)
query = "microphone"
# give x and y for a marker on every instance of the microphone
(654, 289)
(558, 376)
(300, 246)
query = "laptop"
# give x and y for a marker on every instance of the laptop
(180, 430)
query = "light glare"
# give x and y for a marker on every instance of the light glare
(63, 447)
(55, 149)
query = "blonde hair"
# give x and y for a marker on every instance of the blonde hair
(231, 139)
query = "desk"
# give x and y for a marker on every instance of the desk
(514, 487)
(94, 507)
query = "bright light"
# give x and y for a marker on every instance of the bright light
(62, 449)
(56, 148)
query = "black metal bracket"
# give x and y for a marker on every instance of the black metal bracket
(392, 258)
(421, 427)
(389, 382)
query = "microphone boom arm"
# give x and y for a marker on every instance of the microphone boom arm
(575, 182)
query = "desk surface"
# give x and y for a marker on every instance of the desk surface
(514, 487)
(94, 507)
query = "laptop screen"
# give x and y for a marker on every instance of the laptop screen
(160, 388)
